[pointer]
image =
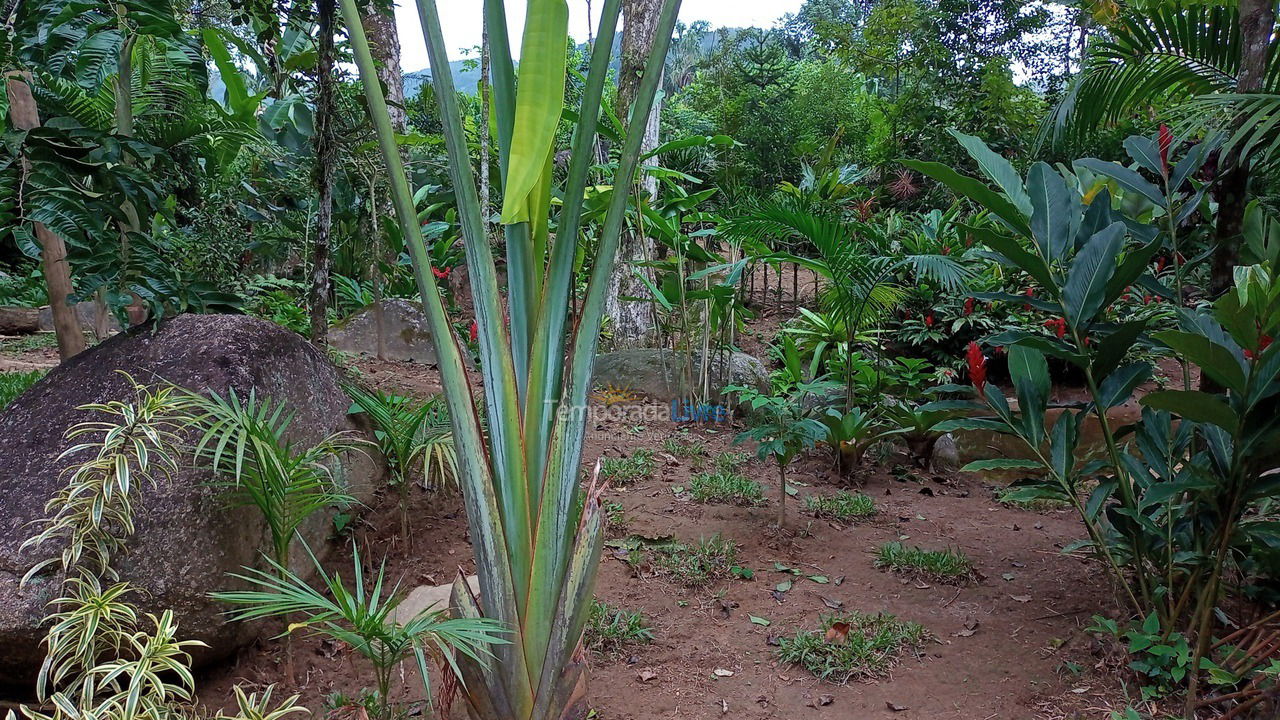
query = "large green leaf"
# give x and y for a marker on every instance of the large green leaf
(1215, 360)
(976, 191)
(1091, 269)
(1194, 405)
(1030, 374)
(1017, 256)
(539, 102)
(1002, 464)
(998, 169)
(1055, 212)
(1128, 179)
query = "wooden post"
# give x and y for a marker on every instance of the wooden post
(53, 251)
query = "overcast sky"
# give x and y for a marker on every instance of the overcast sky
(461, 22)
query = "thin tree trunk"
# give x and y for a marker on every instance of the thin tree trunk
(53, 251)
(1257, 22)
(633, 323)
(326, 152)
(384, 45)
(782, 495)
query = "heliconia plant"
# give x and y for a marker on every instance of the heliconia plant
(535, 530)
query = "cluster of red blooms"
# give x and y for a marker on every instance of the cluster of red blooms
(977, 367)
(475, 331)
(1264, 342)
(441, 274)
(1031, 292)
(928, 320)
(1057, 325)
(968, 306)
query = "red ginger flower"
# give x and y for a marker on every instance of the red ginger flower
(977, 367)
(475, 331)
(968, 306)
(1057, 325)
(928, 320)
(441, 274)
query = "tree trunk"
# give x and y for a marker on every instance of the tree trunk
(384, 45)
(53, 251)
(632, 323)
(326, 150)
(1257, 21)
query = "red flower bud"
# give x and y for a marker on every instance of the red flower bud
(977, 367)
(475, 331)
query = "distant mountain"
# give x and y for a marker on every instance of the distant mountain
(466, 77)
(466, 73)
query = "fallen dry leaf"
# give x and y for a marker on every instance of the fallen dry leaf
(646, 675)
(970, 628)
(1021, 598)
(895, 707)
(832, 602)
(721, 672)
(838, 632)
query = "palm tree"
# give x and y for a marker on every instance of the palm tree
(1187, 57)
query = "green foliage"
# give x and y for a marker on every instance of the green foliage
(701, 564)
(725, 487)
(682, 445)
(363, 618)
(950, 566)
(626, 470)
(413, 436)
(852, 646)
(844, 506)
(610, 629)
(13, 384)
(246, 442)
(104, 659)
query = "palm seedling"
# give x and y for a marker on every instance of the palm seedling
(364, 618)
(245, 442)
(410, 435)
(536, 534)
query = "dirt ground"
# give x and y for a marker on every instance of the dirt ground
(1011, 644)
(1001, 645)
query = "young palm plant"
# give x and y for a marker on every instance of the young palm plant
(536, 536)
(410, 434)
(364, 619)
(244, 440)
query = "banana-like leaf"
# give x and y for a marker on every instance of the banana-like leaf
(539, 102)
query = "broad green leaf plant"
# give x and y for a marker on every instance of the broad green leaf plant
(535, 531)
(1175, 497)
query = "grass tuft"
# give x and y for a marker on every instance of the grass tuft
(843, 506)
(949, 566)
(725, 487)
(698, 565)
(852, 646)
(13, 384)
(728, 462)
(683, 445)
(623, 471)
(610, 629)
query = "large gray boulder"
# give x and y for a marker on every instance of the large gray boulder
(405, 333)
(665, 375)
(189, 536)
